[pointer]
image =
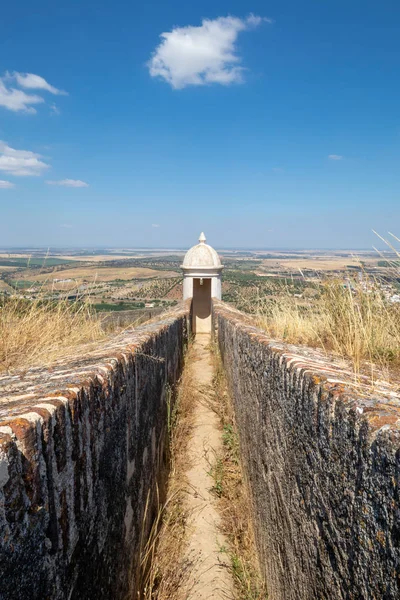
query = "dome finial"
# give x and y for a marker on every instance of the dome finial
(202, 238)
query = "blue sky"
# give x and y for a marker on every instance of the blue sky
(269, 124)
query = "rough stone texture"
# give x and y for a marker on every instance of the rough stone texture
(322, 458)
(81, 447)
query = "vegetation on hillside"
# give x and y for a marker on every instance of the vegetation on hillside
(157, 288)
(109, 307)
(244, 289)
(29, 261)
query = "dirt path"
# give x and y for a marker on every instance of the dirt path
(210, 575)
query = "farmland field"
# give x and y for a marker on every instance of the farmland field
(96, 273)
(29, 261)
(318, 263)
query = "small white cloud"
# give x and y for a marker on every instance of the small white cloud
(54, 110)
(335, 157)
(277, 169)
(155, 225)
(202, 55)
(74, 183)
(35, 82)
(66, 226)
(21, 163)
(255, 20)
(18, 100)
(6, 185)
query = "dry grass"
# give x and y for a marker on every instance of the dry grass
(165, 573)
(354, 321)
(235, 503)
(38, 332)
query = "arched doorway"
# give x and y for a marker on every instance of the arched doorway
(201, 307)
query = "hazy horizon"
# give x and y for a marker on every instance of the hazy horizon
(380, 247)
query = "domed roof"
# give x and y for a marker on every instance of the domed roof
(201, 256)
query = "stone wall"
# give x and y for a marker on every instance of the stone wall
(321, 454)
(81, 447)
(128, 318)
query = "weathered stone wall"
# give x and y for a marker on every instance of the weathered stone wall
(81, 447)
(322, 459)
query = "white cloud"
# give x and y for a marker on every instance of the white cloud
(335, 157)
(6, 185)
(66, 226)
(18, 100)
(155, 225)
(30, 81)
(20, 162)
(54, 110)
(74, 183)
(202, 55)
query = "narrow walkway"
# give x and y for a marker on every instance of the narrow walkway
(210, 574)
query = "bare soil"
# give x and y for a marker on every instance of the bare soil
(185, 555)
(210, 566)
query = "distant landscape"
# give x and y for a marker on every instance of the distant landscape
(118, 279)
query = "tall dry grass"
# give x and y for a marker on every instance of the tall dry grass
(354, 320)
(36, 332)
(166, 571)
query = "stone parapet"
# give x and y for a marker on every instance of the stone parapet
(82, 446)
(321, 454)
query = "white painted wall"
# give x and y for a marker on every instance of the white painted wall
(187, 287)
(216, 290)
(188, 284)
